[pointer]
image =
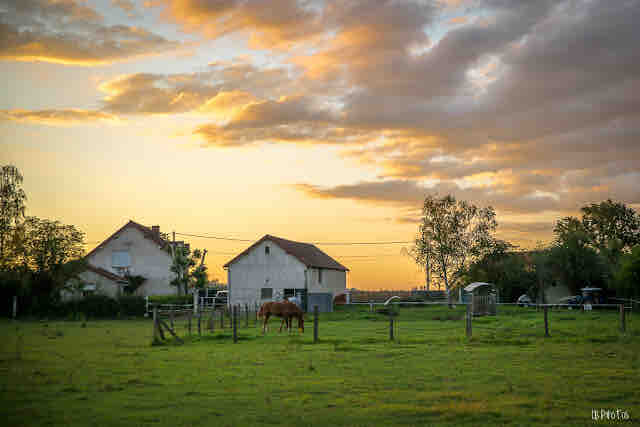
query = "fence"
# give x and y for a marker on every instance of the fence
(416, 321)
(196, 318)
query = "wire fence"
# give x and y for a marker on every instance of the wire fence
(412, 322)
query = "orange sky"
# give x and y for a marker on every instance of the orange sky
(319, 120)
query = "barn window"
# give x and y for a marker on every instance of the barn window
(319, 275)
(266, 250)
(266, 293)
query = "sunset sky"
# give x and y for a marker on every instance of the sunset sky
(319, 121)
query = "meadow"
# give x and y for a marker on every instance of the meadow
(107, 373)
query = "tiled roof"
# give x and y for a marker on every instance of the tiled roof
(104, 273)
(146, 231)
(306, 253)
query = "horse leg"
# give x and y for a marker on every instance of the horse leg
(264, 325)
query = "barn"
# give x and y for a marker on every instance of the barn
(274, 268)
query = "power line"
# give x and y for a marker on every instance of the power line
(316, 243)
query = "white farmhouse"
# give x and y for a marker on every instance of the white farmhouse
(273, 268)
(136, 250)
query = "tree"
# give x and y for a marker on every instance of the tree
(611, 221)
(12, 208)
(189, 268)
(627, 277)
(133, 283)
(505, 268)
(49, 253)
(573, 260)
(451, 235)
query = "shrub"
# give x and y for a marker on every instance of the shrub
(132, 305)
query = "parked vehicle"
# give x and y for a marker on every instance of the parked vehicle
(221, 297)
(524, 301)
(571, 300)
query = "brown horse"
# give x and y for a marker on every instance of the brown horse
(283, 309)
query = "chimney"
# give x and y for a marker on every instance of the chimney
(155, 229)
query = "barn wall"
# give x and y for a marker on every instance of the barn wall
(256, 270)
(333, 281)
(147, 260)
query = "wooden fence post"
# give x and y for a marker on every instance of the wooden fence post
(213, 321)
(257, 309)
(171, 316)
(623, 326)
(199, 321)
(155, 325)
(222, 318)
(15, 306)
(189, 320)
(235, 324)
(469, 318)
(390, 325)
(315, 324)
(246, 316)
(546, 321)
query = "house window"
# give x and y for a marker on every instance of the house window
(266, 250)
(266, 293)
(319, 275)
(120, 261)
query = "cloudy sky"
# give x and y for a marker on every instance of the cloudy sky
(319, 121)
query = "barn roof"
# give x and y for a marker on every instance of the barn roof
(306, 253)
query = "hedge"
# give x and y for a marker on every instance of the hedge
(171, 299)
(102, 306)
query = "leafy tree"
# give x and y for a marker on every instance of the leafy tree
(505, 268)
(49, 254)
(12, 208)
(189, 268)
(610, 221)
(452, 234)
(575, 262)
(627, 277)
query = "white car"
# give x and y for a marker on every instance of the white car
(524, 300)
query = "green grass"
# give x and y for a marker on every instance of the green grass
(107, 373)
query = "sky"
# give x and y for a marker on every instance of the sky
(319, 121)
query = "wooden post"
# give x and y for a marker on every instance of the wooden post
(156, 334)
(257, 309)
(623, 326)
(546, 321)
(15, 306)
(199, 321)
(171, 331)
(315, 324)
(171, 316)
(390, 325)
(235, 323)
(189, 320)
(222, 318)
(469, 318)
(196, 295)
(246, 316)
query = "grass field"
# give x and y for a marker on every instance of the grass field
(106, 373)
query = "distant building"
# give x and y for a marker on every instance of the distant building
(274, 268)
(135, 250)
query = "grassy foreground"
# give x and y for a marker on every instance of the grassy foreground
(106, 373)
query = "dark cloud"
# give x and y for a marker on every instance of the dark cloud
(68, 32)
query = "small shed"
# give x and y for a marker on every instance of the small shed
(482, 297)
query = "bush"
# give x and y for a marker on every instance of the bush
(99, 306)
(132, 305)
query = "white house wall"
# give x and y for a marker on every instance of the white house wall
(249, 274)
(147, 260)
(333, 281)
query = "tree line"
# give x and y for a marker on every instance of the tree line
(456, 243)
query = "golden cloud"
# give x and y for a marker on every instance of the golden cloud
(66, 117)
